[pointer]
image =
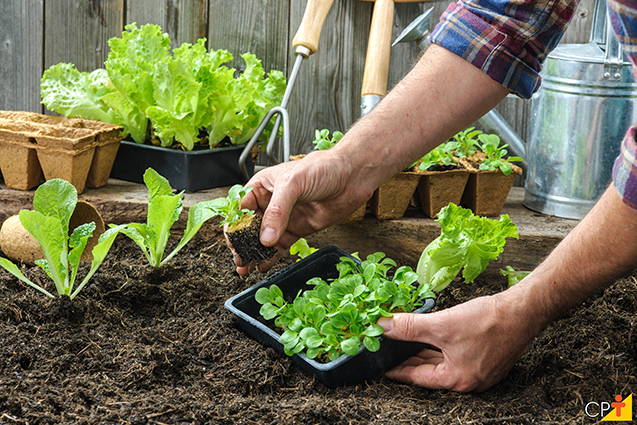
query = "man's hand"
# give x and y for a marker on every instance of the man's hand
(299, 198)
(479, 342)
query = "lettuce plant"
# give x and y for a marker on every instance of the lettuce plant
(490, 145)
(323, 141)
(513, 276)
(229, 207)
(440, 155)
(54, 203)
(336, 317)
(464, 143)
(301, 249)
(185, 95)
(164, 209)
(466, 242)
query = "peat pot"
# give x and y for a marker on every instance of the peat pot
(579, 118)
(185, 170)
(346, 370)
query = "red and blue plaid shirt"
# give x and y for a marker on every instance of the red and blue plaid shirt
(509, 40)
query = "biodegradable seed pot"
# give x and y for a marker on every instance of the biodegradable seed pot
(36, 147)
(244, 238)
(487, 190)
(20, 245)
(391, 199)
(439, 188)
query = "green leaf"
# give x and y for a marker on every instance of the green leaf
(198, 214)
(269, 311)
(351, 346)
(14, 270)
(49, 234)
(371, 343)
(99, 252)
(72, 93)
(373, 330)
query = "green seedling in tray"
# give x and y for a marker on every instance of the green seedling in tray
(336, 317)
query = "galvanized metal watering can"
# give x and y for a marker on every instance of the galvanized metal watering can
(580, 114)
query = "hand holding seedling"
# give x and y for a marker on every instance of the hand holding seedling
(301, 197)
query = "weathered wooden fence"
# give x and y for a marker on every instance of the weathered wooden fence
(36, 34)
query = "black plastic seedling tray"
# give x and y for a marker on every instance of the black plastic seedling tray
(189, 171)
(346, 370)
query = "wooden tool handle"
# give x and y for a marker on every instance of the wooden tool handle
(377, 60)
(309, 31)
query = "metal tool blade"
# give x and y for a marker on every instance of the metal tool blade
(417, 30)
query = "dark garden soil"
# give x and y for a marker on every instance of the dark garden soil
(143, 346)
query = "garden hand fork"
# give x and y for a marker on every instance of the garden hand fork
(305, 43)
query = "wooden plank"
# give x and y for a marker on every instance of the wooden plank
(78, 31)
(255, 26)
(185, 21)
(21, 32)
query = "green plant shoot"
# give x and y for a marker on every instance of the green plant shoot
(464, 144)
(335, 318)
(322, 139)
(302, 249)
(164, 209)
(466, 242)
(229, 207)
(440, 155)
(513, 276)
(53, 204)
(490, 145)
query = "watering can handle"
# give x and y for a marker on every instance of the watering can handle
(309, 31)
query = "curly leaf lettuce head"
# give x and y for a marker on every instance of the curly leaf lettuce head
(466, 242)
(72, 93)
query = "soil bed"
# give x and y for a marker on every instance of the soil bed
(144, 346)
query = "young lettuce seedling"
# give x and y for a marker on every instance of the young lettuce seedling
(490, 145)
(53, 204)
(164, 209)
(244, 226)
(336, 317)
(513, 275)
(466, 242)
(323, 141)
(464, 144)
(441, 155)
(302, 249)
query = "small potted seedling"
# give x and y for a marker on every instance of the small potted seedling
(491, 178)
(443, 178)
(322, 311)
(54, 203)
(244, 226)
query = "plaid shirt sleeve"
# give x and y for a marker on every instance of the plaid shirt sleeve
(508, 40)
(623, 15)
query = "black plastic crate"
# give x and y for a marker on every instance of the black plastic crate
(346, 370)
(189, 171)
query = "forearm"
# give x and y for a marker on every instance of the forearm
(601, 248)
(442, 95)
